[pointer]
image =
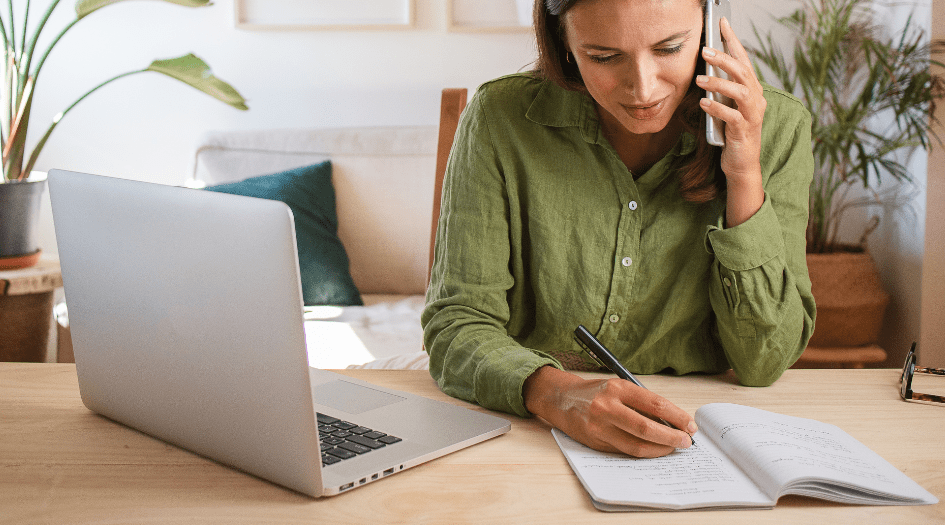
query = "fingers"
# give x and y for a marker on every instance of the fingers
(611, 415)
(742, 86)
(736, 63)
(619, 417)
(732, 116)
(734, 60)
(659, 408)
(733, 45)
(615, 440)
(743, 122)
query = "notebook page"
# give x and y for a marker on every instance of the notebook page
(784, 451)
(700, 476)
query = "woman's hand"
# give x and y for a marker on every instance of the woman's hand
(607, 414)
(741, 156)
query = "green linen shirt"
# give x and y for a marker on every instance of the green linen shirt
(542, 228)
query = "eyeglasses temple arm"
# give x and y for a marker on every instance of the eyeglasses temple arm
(935, 371)
(927, 397)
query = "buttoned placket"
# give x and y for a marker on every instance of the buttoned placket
(625, 269)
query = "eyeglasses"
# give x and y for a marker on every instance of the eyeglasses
(908, 370)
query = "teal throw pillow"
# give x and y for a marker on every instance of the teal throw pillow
(323, 262)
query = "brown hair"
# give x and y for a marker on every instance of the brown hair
(699, 174)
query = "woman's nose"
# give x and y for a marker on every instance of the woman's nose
(641, 80)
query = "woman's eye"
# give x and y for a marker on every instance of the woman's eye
(601, 59)
(669, 50)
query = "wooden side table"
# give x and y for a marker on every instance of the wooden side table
(26, 303)
(846, 357)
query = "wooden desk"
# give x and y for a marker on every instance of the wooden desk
(60, 463)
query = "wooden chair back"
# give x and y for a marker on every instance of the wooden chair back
(452, 103)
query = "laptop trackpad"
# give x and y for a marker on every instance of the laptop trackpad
(351, 398)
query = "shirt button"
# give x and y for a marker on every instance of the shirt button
(727, 281)
(627, 261)
(633, 205)
(614, 318)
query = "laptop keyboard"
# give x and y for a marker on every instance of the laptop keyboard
(342, 440)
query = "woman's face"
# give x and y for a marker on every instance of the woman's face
(637, 57)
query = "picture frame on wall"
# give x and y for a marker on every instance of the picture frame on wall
(490, 15)
(323, 14)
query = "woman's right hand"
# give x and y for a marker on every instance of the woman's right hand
(610, 415)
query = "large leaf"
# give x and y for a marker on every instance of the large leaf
(195, 72)
(85, 7)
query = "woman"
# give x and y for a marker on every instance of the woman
(585, 193)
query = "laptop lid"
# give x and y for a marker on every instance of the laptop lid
(186, 316)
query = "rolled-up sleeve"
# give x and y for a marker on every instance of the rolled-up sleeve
(472, 357)
(759, 286)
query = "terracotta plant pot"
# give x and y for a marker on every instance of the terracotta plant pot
(850, 299)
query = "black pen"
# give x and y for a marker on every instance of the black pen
(595, 349)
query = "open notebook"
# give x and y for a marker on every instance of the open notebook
(745, 457)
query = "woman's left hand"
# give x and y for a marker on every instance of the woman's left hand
(741, 156)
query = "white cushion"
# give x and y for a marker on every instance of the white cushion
(383, 179)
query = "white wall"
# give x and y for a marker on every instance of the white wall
(144, 127)
(898, 246)
(932, 344)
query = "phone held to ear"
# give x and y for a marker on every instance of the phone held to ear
(714, 11)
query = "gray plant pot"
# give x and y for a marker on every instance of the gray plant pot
(19, 215)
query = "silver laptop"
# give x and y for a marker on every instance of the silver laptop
(186, 316)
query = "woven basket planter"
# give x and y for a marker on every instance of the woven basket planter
(850, 299)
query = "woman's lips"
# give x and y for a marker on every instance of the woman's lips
(644, 112)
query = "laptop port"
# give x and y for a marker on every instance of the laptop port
(389, 471)
(346, 487)
(363, 481)
(373, 477)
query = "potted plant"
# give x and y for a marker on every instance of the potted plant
(20, 191)
(872, 98)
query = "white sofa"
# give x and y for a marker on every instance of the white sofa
(383, 179)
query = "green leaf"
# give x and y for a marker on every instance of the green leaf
(84, 8)
(196, 73)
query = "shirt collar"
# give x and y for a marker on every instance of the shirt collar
(685, 145)
(561, 108)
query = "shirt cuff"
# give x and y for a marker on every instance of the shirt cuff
(750, 244)
(500, 379)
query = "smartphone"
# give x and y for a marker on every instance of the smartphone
(714, 11)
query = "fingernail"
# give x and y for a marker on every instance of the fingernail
(708, 51)
(692, 428)
(705, 102)
(701, 79)
(685, 442)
